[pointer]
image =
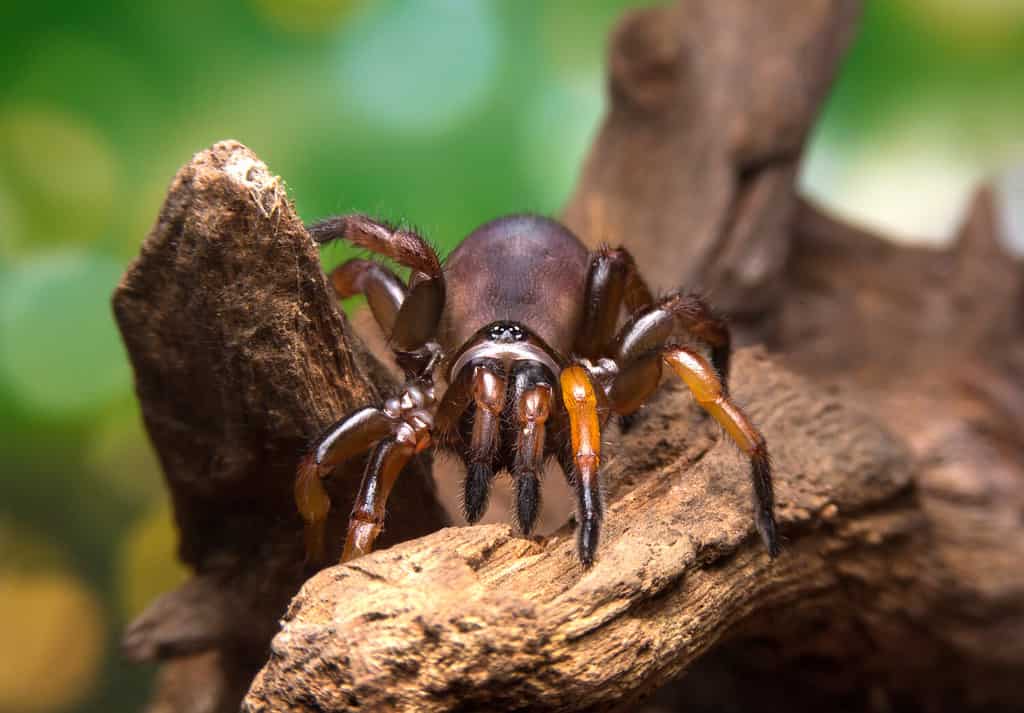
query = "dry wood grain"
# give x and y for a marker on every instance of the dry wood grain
(479, 619)
(240, 359)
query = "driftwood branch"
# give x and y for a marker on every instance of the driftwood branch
(891, 395)
(240, 357)
(694, 167)
(479, 619)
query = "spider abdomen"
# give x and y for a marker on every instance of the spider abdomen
(522, 268)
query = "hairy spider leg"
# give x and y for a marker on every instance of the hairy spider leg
(612, 280)
(448, 418)
(384, 292)
(702, 380)
(410, 317)
(354, 434)
(386, 462)
(488, 388)
(640, 352)
(637, 379)
(648, 329)
(414, 327)
(531, 395)
(580, 399)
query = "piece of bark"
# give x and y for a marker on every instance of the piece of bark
(478, 619)
(241, 358)
(695, 163)
(932, 342)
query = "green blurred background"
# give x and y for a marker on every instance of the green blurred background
(441, 113)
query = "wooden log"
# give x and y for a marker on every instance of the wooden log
(241, 357)
(479, 619)
(695, 164)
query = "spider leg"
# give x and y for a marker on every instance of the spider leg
(488, 393)
(386, 462)
(531, 404)
(636, 380)
(703, 381)
(612, 280)
(580, 399)
(354, 434)
(384, 292)
(350, 436)
(647, 331)
(415, 325)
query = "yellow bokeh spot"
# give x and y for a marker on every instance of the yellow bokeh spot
(148, 561)
(122, 456)
(11, 228)
(305, 15)
(53, 640)
(65, 169)
(987, 24)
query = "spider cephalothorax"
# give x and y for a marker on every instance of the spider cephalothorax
(522, 323)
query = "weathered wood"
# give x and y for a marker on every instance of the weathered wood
(240, 359)
(478, 619)
(931, 342)
(694, 165)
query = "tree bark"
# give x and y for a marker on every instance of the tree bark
(711, 103)
(240, 358)
(892, 397)
(479, 619)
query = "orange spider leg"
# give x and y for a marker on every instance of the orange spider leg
(702, 379)
(314, 504)
(581, 403)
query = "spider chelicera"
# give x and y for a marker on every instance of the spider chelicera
(522, 321)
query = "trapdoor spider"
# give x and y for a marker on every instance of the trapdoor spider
(522, 323)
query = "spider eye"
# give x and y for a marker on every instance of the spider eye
(506, 332)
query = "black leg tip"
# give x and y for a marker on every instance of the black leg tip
(478, 490)
(720, 357)
(764, 499)
(766, 527)
(527, 501)
(588, 535)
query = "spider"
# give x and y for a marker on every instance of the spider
(522, 322)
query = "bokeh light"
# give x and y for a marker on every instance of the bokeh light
(558, 128)
(926, 106)
(1012, 186)
(65, 170)
(59, 349)
(420, 67)
(147, 562)
(981, 24)
(12, 231)
(119, 453)
(52, 647)
(913, 187)
(307, 16)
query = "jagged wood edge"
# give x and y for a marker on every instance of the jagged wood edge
(241, 357)
(480, 618)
